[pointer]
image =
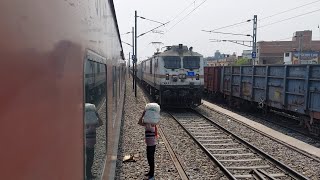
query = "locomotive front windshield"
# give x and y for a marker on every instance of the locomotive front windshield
(191, 62)
(172, 62)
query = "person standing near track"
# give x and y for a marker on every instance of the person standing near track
(148, 119)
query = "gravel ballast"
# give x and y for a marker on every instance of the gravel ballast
(297, 161)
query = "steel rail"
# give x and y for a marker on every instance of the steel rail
(221, 166)
(181, 171)
(279, 164)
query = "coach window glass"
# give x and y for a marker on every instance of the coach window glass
(94, 119)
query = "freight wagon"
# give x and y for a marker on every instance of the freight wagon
(294, 89)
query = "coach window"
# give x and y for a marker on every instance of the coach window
(94, 118)
(172, 62)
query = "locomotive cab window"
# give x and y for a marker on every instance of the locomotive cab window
(172, 62)
(94, 118)
(191, 62)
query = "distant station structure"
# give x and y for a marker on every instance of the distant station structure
(272, 52)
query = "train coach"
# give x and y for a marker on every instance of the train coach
(173, 77)
(57, 59)
(294, 89)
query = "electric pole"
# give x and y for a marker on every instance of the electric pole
(132, 54)
(254, 39)
(136, 56)
(129, 64)
(135, 48)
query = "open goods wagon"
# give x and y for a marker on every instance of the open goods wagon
(294, 89)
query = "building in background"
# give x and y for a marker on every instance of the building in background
(272, 52)
(227, 60)
(218, 55)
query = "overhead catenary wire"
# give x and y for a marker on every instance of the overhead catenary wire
(279, 13)
(230, 40)
(232, 25)
(310, 12)
(150, 20)
(175, 17)
(283, 20)
(187, 15)
(153, 29)
(236, 34)
(183, 10)
(267, 17)
(193, 2)
(261, 19)
(126, 43)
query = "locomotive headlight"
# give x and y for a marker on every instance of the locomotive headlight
(167, 76)
(197, 76)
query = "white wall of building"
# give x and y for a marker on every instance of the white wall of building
(247, 54)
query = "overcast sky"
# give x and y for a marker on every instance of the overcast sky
(212, 14)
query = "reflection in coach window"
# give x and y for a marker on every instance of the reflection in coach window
(95, 119)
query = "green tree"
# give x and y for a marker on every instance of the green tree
(242, 61)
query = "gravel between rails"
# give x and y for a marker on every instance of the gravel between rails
(132, 142)
(194, 161)
(299, 162)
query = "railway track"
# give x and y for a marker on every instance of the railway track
(237, 158)
(276, 118)
(290, 123)
(265, 134)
